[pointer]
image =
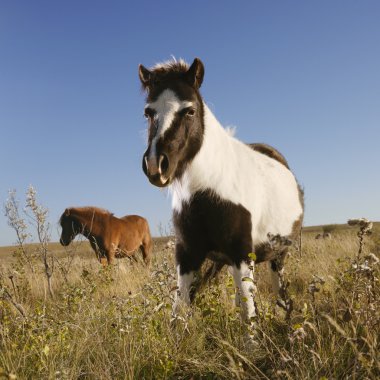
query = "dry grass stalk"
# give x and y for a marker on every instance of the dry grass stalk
(116, 323)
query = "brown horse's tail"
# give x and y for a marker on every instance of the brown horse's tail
(147, 244)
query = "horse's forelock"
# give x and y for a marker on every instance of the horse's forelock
(167, 70)
(170, 66)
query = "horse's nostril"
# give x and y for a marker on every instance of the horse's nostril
(163, 164)
(145, 164)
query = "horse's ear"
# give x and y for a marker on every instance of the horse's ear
(67, 212)
(194, 75)
(145, 76)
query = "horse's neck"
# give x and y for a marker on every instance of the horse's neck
(213, 166)
(217, 153)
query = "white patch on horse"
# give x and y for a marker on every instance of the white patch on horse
(184, 282)
(166, 106)
(246, 288)
(180, 191)
(237, 173)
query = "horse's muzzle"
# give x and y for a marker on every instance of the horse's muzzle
(64, 243)
(156, 170)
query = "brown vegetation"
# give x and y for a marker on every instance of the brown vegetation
(116, 323)
(86, 322)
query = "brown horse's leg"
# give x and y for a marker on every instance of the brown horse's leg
(146, 249)
(103, 257)
(110, 256)
(103, 261)
(146, 255)
(98, 252)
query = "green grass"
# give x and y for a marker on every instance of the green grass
(116, 323)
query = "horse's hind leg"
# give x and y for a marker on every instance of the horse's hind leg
(276, 269)
(146, 250)
(279, 286)
(274, 252)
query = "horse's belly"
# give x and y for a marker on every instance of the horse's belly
(275, 206)
(223, 228)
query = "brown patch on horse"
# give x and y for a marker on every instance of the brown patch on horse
(270, 152)
(108, 235)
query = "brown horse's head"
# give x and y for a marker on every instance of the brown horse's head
(174, 111)
(70, 228)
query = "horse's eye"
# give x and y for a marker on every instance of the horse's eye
(190, 112)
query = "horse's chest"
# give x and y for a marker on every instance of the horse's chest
(210, 223)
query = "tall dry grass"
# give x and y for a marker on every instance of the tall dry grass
(116, 323)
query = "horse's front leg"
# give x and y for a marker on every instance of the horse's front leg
(100, 255)
(103, 257)
(108, 251)
(111, 253)
(243, 275)
(187, 265)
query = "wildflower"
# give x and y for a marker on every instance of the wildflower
(298, 334)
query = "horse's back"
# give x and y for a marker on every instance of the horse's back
(134, 218)
(270, 152)
(134, 225)
(135, 221)
(134, 233)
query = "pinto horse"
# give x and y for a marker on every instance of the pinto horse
(109, 236)
(229, 199)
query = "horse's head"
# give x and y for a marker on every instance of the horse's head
(70, 228)
(174, 110)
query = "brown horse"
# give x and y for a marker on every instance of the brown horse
(108, 235)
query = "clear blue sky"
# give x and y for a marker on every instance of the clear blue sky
(303, 76)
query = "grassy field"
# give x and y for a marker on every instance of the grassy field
(116, 323)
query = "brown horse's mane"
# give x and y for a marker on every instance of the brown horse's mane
(93, 215)
(91, 209)
(86, 210)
